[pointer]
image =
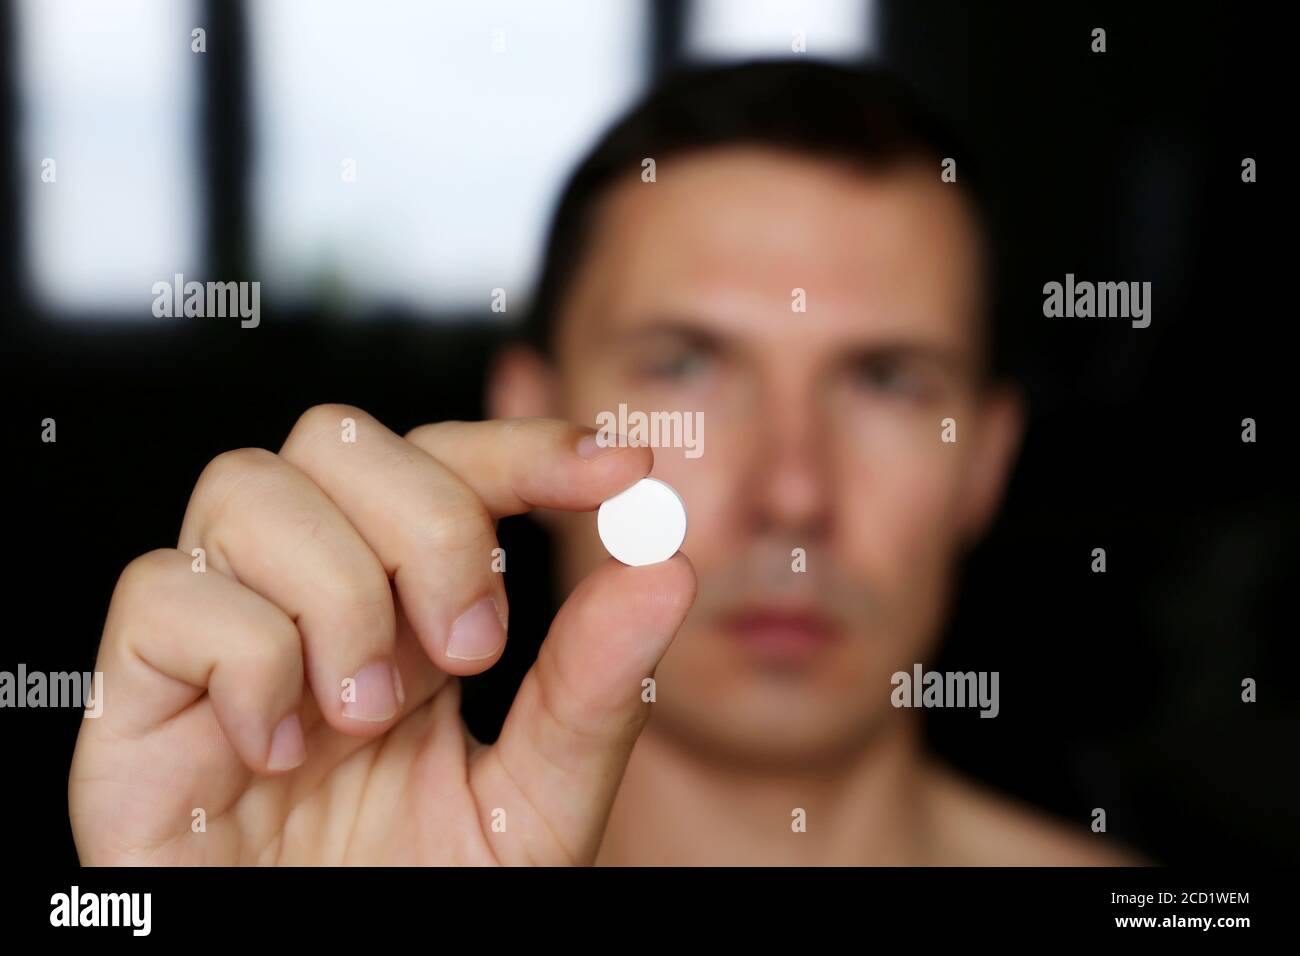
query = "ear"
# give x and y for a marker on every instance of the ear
(1002, 422)
(520, 384)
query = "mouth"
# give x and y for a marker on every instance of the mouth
(780, 634)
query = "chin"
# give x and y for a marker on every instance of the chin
(773, 731)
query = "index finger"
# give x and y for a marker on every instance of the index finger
(517, 464)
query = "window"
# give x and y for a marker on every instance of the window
(108, 178)
(408, 154)
(739, 29)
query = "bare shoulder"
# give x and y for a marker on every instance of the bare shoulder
(972, 825)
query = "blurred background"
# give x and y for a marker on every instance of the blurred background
(461, 121)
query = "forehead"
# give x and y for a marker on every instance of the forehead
(725, 237)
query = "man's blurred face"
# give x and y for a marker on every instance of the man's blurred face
(821, 428)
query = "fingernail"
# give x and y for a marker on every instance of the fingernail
(288, 750)
(374, 693)
(476, 634)
(592, 446)
(397, 686)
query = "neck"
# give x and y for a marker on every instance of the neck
(679, 805)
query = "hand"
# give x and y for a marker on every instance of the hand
(301, 691)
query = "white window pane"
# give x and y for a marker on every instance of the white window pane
(739, 29)
(107, 93)
(459, 149)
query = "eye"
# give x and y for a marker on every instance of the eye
(889, 376)
(678, 366)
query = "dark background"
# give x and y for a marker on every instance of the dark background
(1119, 690)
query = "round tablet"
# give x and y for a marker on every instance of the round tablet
(644, 524)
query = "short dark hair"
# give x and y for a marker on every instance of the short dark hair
(862, 116)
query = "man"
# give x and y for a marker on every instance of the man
(792, 272)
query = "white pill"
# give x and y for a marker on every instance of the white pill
(644, 524)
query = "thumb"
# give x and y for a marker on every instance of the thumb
(558, 762)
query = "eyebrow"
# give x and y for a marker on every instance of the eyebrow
(665, 327)
(668, 327)
(951, 360)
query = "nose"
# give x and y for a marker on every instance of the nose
(790, 493)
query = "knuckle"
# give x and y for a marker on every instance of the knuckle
(538, 423)
(359, 593)
(275, 649)
(232, 466)
(464, 526)
(142, 577)
(429, 433)
(145, 586)
(267, 645)
(229, 470)
(320, 419)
